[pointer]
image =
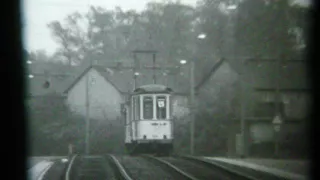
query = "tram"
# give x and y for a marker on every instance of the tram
(149, 127)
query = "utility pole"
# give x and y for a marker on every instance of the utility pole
(87, 106)
(241, 81)
(134, 72)
(87, 139)
(192, 96)
(277, 100)
(242, 115)
(192, 107)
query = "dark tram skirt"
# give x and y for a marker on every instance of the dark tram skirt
(151, 147)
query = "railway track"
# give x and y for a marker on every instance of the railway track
(196, 169)
(147, 167)
(91, 167)
(170, 167)
(119, 170)
(140, 168)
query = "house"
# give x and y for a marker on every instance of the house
(259, 79)
(51, 72)
(109, 88)
(294, 102)
(216, 92)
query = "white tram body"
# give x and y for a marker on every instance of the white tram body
(149, 125)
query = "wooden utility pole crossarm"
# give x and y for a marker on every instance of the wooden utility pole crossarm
(142, 67)
(145, 51)
(53, 74)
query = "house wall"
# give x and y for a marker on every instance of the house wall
(219, 86)
(296, 105)
(104, 98)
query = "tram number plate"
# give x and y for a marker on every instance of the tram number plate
(161, 103)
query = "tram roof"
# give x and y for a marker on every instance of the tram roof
(152, 88)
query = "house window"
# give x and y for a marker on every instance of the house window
(261, 132)
(170, 107)
(147, 107)
(267, 109)
(161, 107)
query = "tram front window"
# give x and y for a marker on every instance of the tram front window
(137, 107)
(161, 107)
(147, 107)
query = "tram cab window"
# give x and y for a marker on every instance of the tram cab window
(147, 107)
(161, 107)
(170, 108)
(137, 107)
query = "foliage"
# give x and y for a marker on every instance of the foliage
(263, 28)
(113, 34)
(39, 55)
(215, 23)
(71, 38)
(181, 136)
(258, 28)
(51, 125)
(212, 119)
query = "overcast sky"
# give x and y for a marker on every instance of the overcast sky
(38, 13)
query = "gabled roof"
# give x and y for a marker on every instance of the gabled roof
(52, 67)
(122, 79)
(35, 86)
(263, 75)
(209, 72)
(74, 79)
